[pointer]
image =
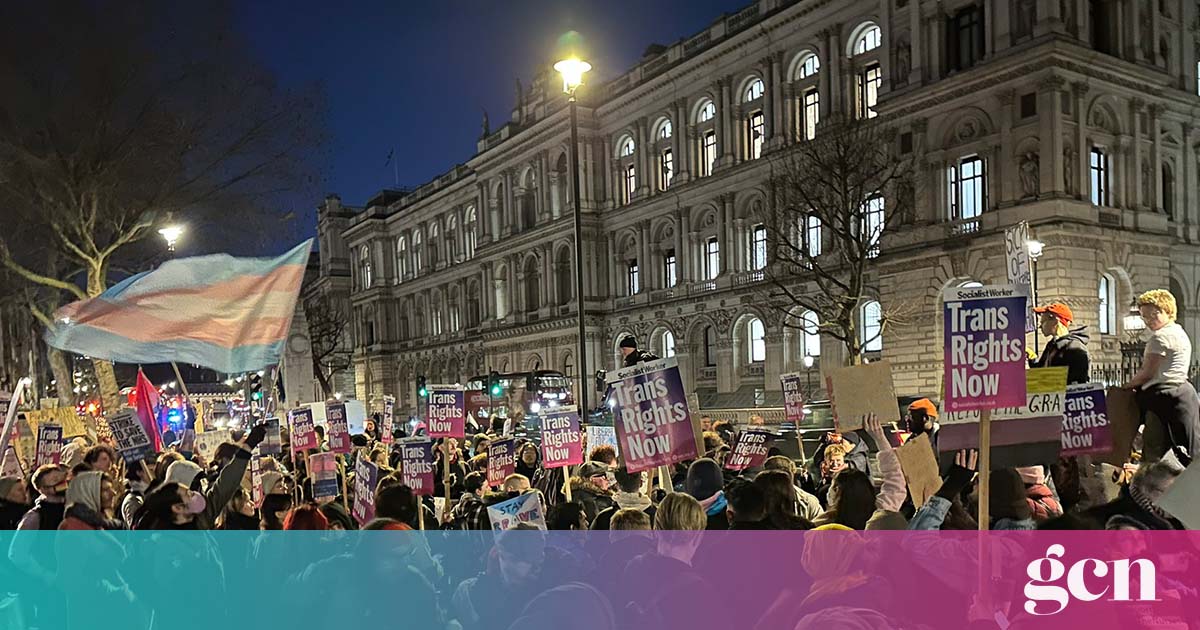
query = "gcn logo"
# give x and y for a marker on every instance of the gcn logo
(1044, 572)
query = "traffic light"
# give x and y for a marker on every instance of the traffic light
(494, 384)
(422, 390)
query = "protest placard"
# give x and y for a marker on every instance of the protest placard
(750, 450)
(49, 444)
(439, 508)
(323, 468)
(562, 441)
(525, 509)
(337, 430)
(303, 433)
(366, 477)
(416, 464)
(130, 436)
(920, 468)
(602, 436)
(1124, 418)
(1017, 268)
(1020, 436)
(860, 390)
(479, 403)
(386, 432)
(10, 464)
(651, 415)
(207, 442)
(25, 440)
(446, 413)
(272, 444)
(66, 417)
(501, 460)
(1085, 428)
(793, 398)
(984, 347)
(256, 480)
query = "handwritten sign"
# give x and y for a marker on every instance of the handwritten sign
(1085, 427)
(49, 444)
(386, 432)
(446, 414)
(337, 429)
(366, 477)
(304, 434)
(130, 436)
(323, 468)
(256, 480)
(501, 460)
(793, 398)
(751, 448)
(984, 347)
(207, 442)
(562, 441)
(1018, 266)
(525, 509)
(602, 436)
(650, 412)
(416, 464)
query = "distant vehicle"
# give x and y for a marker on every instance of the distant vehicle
(531, 392)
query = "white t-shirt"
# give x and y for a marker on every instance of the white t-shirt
(1172, 344)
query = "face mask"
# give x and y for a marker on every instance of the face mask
(196, 503)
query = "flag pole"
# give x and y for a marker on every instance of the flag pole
(11, 418)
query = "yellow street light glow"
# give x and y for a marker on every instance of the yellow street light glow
(171, 233)
(572, 70)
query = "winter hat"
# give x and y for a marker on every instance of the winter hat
(270, 481)
(72, 453)
(1060, 311)
(592, 469)
(182, 472)
(926, 405)
(704, 479)
(628, 341)
(7, 484)
(1032, 475)
(335, 513)
(84, 490)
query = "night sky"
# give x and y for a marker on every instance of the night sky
(416, 75)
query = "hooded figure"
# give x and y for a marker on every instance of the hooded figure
(705, 483)
(1065, 347)
(633, 356)
(1042, 501)
(89, 503)
(190, 476)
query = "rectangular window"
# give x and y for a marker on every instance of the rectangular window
(1029, 105)
(964, 39)
(666, 169)
(1098, 169)
(873, 225)
(631, 276)
(708, 153)
(758, 247)
(965, 188)
(872, 325)
(630, 182)
(670, 277)
(712, 258)
(812, 236)
(710, 346)
(811, 113)
(756, 136)
(1108, 305)
(867, 91)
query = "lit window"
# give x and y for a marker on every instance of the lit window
(810, 345)
(1098, 169)
(1108, 305)
(873, 225)
(710, 346)
(627, 147)
(867, 91)
(755, 125)
(631, 276)
(664, 130)
(712, 258)
(416, 243)
(630, 182)
(708, 153)
(666, 169)
(867, 41)
(707, 112)
(401, 258)
(809, 66)
(872, 325)
(469, 235)
(667, 348)
(811, 113)
(754, 91)
(670, 277)
(965, 188)
(812, 235)
(758, 342)
(758, 247)
(364, 266)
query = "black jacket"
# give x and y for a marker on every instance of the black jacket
(1069, 351)
(593, 498)
(639, 356)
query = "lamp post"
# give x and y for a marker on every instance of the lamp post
(808, 363)
(572, 70)
(1035, 252)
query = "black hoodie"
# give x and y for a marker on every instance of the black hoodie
(1069, 351)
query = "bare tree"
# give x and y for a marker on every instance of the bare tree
(121, 117)
(836, 195)
(327, 337)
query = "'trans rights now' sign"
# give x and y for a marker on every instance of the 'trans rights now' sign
(651, 415)
(984, 347)
(446, 413)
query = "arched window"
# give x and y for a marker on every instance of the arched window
(626, 147)
(469, 236)
(869, 79)
(364, 266)
(451, 238)
(868, 39)
(1108, 305)
(416, 245)
(707, 112)
(808, 66)
(757, 340)
(710, 346)
(401, 258)
(664, 129)
(434, 236)
(667, 346)
(872, 325)
(754, 91)
(810, 335)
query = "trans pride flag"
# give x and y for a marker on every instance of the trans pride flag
(225, 313)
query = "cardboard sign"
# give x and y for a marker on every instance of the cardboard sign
(1085, 428)
(920, 468)
(602, 436)
(650, 412)
(337, 430)
(207, 442)
(24, 438)
(1124, 418)
(366, 477)
(272, 444)
(356, 417)
(72, 425)
(49, 444)
(526, 509)
(1018, 266)
(323, 469)
(751, 448)
(562, 441)
(130, 436)
(439, 508)
(10, 464)
(416, 465)
(303, 433)
(256, 481)
(984, 347)
(860, 390)
(501, 460)
(793, 398)
(446, 413)
(389, 415)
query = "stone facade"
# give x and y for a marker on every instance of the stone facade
(1081, 123)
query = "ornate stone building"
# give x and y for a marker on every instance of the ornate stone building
(1077, 116)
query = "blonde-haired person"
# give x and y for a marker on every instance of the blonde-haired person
(679, 511)
(1162, 384)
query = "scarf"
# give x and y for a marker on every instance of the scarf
(632, 500)
(714, 504)
(1144, 502)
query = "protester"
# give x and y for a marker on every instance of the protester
(51, 483)
(274, 509)
(136, 485)
(14, 501)
(808, 504)
(922, 419)
(779, 501)
(520, 567)
(1065, 347)
(589, 488)
(630, 353)
(338, 517)
(529, 460)
(90, 502)
(239, 514)
(1042, 502)
(1162, 385)
(101, 458)
(627, 496)
(605, 454)
(399, 503)
(630, 519)
(305, 517)
(171, 506)
(469, 512)
(853, 501)
(566, 516)
(227, 482)
(704, 483)
(1008, 506)
(747, 507)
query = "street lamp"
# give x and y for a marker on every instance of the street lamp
(1034, 247)
(572, 70)
(171, 234)
(808, 363)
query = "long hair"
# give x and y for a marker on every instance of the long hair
(852, 498)
(155, 512)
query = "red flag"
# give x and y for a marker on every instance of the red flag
(147, 402)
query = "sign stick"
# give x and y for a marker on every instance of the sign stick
(420, 514)
(664, 479)
(445, 470)
(17, 395)
(985, 466)
(567, 482)
(345, 493)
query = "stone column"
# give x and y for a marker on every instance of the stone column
(487, 287)
(555, 195)
(995, 171)
(1080, 89)
(494, 210)
(1083, 29)
(1187, 176)
(1049, 18)
(642, 159)
(510, 204)
(616, 183)
(723, 222)
(726, 367)
(1133, 49)
(1187, 54)
(989, 27)
(1050, 130)
(739, 130)
(740, 245)
(679, 145)
(936, 27)
(1137, 106)
(771, 100)
(722, 121)
(683, 357)
(773, 366)
(917, 41)
(612, 264)
(831, 73)
(543, 201)
(1117, 180)
(687, 241)
(646, 257)
(1156, 192)
(1154, 32)
(790, 105)
(679, 232)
